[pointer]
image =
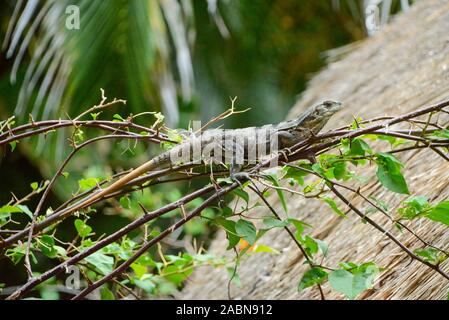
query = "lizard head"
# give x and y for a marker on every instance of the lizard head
(326, 109)
(316, 117)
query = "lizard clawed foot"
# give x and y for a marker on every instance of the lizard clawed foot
(285, 153)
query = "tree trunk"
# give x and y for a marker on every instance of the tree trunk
(403, 67)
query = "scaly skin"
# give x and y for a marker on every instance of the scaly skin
(288, 134)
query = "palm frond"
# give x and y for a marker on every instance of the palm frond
(140, 50)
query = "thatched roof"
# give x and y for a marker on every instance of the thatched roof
(402, 68)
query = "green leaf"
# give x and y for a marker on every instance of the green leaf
(312, 277)
(5, 213)
(352, 283)
(46, 245)
(106, 294)
(440, 213)
(239, 192)
(345, 282)
(340, 170)
(334, 206)
(444, 133)
(275, 180)
(226, 212)
(428, 254)
(264, 248)
(234, 276)
(310, 245)
(389, 173)
(25, 210)
(101, 262)
(328, 173)
(125, 202)
(34, 185)
(89, 183)
(231, 233)
(48, 293)
(246, 230)
(10, 209)
(139, 269)
(390, 139)
(297, 174)
(271, 222)
(413, 207)
(359, 147)
(118, 117)
(175, 274)
(82, 228)
(299, 225)
(13, 145)
(146, 283)
(323, 246)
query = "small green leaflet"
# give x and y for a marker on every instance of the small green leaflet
(429, 254)
(13, 145)
(231, 233)
(6, 210)
(389, 173)
(345, 282)
(246, 230)
(118, 118)
(146, 284)
(176, 274)
(413, 207)
(10, 209)
(125, 202)
(89, 183)
(82, 228)
(441, 134)
(334, 206)
(359, 147)
(297, 174)
(275, 180)
(106, 294)
(102, 262)
(46, 245)
(94, 115)
(440, 213)
(312, 277)
(299, 225)
(264, 248)
(271, 222)
(239, 192)
(352, 279)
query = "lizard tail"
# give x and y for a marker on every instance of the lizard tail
(147, 166)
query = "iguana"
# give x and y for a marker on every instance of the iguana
(288, 133)
(241, 143)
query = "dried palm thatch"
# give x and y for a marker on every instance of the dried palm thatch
(402, 68)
